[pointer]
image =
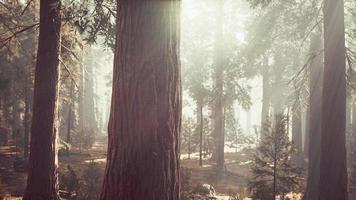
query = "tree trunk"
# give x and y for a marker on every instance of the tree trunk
(333, 172)
(26, 121)
(315, 88)
(297, 157)
(275, 167)
(201, 126)
(70, 113)
(42, 171)
(265, 96)
(219, 80)
(89, 116)
(306, 120)
(353, 136)
(145, 122)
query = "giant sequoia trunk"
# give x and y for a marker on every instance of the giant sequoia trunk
(42, 176)
(219, 81)
(145, 121)
(315, 88)
(333, 173)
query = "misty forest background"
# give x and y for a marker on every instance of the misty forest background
(169, 100)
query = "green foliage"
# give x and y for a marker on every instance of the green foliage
(272, 159)
(94, 19)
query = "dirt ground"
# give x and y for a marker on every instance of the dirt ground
(233, 181)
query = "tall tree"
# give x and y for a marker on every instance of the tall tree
(297, 157)
(333, 172)
(42, 177)
(144, 127)
(219, 86)
(266, 93)
(315, 89)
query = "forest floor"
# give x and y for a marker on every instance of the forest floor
(234, 180)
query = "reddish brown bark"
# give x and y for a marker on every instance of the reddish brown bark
(333, 173)
(42, 176)
(144, 127)
(315, 88)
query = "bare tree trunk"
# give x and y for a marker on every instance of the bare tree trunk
(42, 171)
(265, 96)
(275, 168)
(26, 121)
(297, 157)
(219, 77)
(201, 126)
(189, 144)
(315, 88)
(145, 122)
(306, 120)
(333, 172)
(70, 113)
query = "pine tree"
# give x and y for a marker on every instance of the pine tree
(273, 173)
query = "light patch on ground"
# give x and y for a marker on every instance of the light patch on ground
(99, 160)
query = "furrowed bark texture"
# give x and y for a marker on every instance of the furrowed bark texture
(42, 176)
(333, 172)
(145, 120)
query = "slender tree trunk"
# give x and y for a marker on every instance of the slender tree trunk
(201, 126)
(144, 128)
(275, 168)
(306, 120)
(266, 95)
(42, 171)
(26, 121)
(189, 144)
(297, 157)
(69, 125)
(333, 172)
(70, 113)
(315, 88)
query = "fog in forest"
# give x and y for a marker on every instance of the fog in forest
(178, 100)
